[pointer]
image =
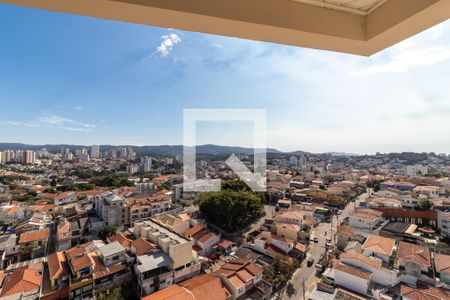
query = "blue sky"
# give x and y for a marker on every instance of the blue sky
(74, 79)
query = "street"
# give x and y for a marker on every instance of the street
(316, 250)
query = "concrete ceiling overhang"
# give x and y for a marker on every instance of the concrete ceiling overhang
(361, 27)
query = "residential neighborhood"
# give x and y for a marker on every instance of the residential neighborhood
(358, 227)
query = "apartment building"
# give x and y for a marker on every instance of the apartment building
(174, 263)
(121, 211)
(416, 170)
(112, 209)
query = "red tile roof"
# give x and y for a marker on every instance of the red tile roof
(34, 236)
(354, 271)
(56, 264)
(194, 230)
(22, 280)
(207, 286)
(415, 253)
(346, 230)
(424, 293)
(379, 244)
(362, 258)
(442, 263)
(81, 263)
(143, 246)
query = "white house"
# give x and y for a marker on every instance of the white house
(354, 279)
(365, 218)
(378, 246)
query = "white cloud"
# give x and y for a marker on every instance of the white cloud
(405, 61)
(15, 123)
(314, 104)
(167, 44)
(48, 120)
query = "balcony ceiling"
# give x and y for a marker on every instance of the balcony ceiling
(359, 7)
(361, 27)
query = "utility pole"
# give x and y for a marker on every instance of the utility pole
(303, 288)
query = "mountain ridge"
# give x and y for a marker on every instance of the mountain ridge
(160, 149)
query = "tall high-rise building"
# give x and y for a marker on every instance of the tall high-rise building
(302, 161)
(81, 151)
(95, 151)
(146, 164)
(8, 155)
(293, 161)
(28, 157)
(1, 157)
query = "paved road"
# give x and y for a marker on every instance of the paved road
(316, 250)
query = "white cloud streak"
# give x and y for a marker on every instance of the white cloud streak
(167, 44)
(48, 120)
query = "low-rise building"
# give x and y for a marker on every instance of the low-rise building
(365, 218)
(414, 259)
(442, 265)
(22, 283)
(380, 247)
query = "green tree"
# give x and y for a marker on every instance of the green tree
(230, 210)
(281, 269)
(106, 231)
(114, 294)
(235, 185)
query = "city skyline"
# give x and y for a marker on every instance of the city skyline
(78, 80)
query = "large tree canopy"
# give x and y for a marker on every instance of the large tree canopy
(230, 210)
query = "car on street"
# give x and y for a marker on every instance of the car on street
(310, 262)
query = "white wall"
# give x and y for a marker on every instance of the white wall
(351, 282)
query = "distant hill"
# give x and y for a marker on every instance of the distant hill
(157, 149)
(343, 154)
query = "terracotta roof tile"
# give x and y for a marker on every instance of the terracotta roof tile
(244, 275)
(236, 281)
(33, 236)
(415, 253)
(346, 230)
(143, 246)
(253, 269)
(379, 244)
(173, 292)
(362, 258)
(81, 263)
(424, 293)
(56, 264)
(194, 230)
(442, 263)
(354, 271)
(206, 286)
(22, 280)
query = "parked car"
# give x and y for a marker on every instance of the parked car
(319, 267)
(310, 262)
(316, 240)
